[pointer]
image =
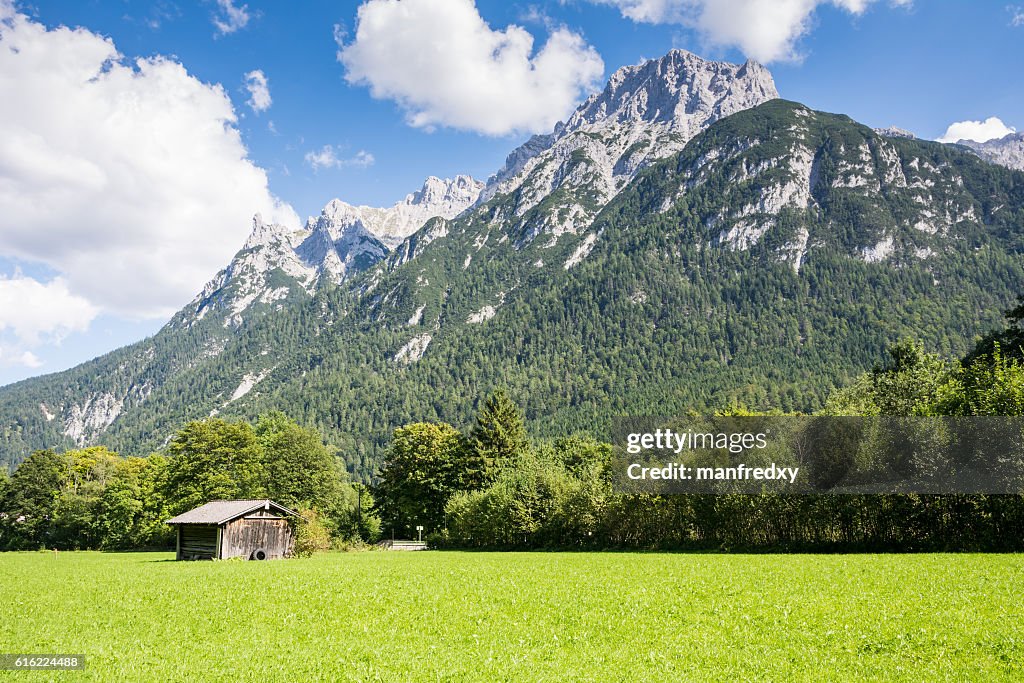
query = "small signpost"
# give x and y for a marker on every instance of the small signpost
(419, 533)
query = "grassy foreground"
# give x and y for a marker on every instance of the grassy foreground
(519, 616)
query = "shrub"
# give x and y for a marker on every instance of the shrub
(312, 535)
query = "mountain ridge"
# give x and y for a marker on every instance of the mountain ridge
(644, 113)
(343, 240)
(1006, 151)
(772, 255)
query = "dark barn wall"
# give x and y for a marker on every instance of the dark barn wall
(242, 537)
(197, 541)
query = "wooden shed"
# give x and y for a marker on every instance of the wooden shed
(221, 529)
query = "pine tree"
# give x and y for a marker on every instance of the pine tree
(498, 437)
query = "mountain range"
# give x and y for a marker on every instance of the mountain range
(341, 241)
(1006, 151)
(685, 240)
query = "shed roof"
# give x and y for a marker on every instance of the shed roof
(221, 511)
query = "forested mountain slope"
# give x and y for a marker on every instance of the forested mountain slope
(775, 255)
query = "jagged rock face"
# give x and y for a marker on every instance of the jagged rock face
(247, 279)
(1006, 151)
(339, 243)
(680, 90)
(894, 132)
(779, 177)
(445, 198)
(788, 184)
(85, 421)
(276, 262)
(646, 112)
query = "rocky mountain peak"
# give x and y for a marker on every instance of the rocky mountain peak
(681, 90)
(443, 197)
(334, 212)
(343, 240)
(438, 197)
(261, 233)
(895, 132)
(446, 194)
(265, 234)
(645, 112)
(338, 220)
(680, 93)
(1006, 151)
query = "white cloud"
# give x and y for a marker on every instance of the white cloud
(34, 313)
(362, 158)
(18, 358)
(33, 310)
(979, 131)
(231, 18)
(29, 360)
(765, 31)
(445, 66)
(259, 92)
(327, 157)
(129, 180)
(1016, 15)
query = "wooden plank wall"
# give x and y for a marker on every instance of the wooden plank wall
(197, 542)
(242, 537)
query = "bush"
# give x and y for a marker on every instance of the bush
(438, 539)
(312, 535)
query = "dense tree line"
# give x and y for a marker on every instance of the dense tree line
(558, 494)
(94, 498)
(494, 487)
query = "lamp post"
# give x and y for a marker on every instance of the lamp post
(419, 534)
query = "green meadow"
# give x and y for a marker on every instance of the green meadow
(433, 616)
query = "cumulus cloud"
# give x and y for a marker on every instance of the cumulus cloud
(130, 180)
(1016, 15)
(328, 157)
(765, 31)
(19, 358)
(259, 92)
(34, 312)
(231, 17)
(29, 360)
(443, 64)
(979, 131)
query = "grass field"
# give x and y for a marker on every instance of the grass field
(519, 616)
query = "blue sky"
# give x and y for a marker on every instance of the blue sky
(921, 66)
